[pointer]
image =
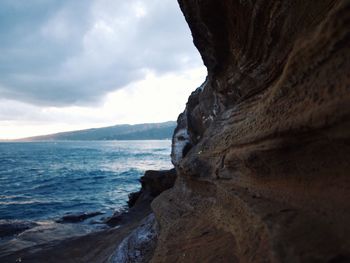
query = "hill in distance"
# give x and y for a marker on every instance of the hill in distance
(145, 131)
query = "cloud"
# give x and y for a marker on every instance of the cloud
(155, 98)
(73, 53)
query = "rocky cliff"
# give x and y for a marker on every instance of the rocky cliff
(262, 150)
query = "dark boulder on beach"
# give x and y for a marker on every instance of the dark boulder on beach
(14, 227)
(78, 217)
(153, 184)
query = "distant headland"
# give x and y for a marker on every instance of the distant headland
(145, 131)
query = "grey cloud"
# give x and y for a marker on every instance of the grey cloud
(67, 52)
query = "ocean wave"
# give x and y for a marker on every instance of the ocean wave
(45, 180)
(8, 196)
(29, 202)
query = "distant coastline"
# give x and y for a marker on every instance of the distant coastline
(145, 131)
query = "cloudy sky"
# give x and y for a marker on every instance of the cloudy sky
(69, 64)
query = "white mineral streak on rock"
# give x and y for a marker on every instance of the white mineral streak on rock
(209, 118)
(138, 246)
(181, 138)
(201, 87)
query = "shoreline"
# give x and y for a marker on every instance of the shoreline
(100, 245)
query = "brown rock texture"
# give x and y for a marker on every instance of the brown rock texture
(262, 150)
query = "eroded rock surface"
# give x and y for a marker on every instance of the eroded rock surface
(262, 150)
(138, 247)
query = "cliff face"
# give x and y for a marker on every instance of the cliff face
(262, 150)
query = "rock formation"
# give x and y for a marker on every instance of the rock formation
(138, 247)
(153, 183)
(262, 150)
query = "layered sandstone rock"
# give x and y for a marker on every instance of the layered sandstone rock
(262, 150)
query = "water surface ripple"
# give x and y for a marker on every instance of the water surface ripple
(45, 180)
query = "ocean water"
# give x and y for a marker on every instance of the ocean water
(46, 180)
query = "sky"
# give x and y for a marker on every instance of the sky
(68, 65)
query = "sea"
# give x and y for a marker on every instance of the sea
(41, 180)
(41, 183)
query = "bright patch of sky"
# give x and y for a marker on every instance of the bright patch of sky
(67, 65)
